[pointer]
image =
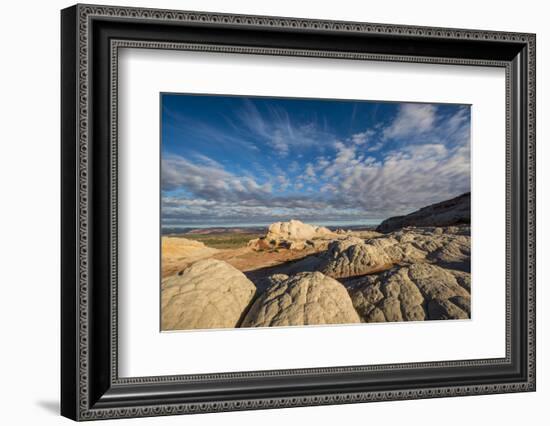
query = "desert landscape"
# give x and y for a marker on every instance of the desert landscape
(280, 212)
(414, 267)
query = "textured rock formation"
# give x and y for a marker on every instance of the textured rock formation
(296, 230)
(450, 212)
(307, 298)
(208, 294)
(265, 282)
(351, 257)
(454, 253)
(293, 235)
(447, 247)
(296, 235)
(444, 309)
(412, 272)
(174, 249)
(410, 293)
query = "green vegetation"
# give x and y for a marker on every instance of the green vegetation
(228, 240)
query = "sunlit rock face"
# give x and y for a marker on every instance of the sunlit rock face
(307, 298)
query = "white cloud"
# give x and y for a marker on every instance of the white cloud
(404, 180)
(412, 119)
(344, 156)
(209, 180)
(322, 162)
(283, 182)
(362, 137)
(279, 143)
(375, 147)
(293, 167)
(309, 173)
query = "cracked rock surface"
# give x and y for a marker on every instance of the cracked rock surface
(352, 256)
(413, 274)
(415, 292)
(446, 247)
(306, 298)
(208, 294)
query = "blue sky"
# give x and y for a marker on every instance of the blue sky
(232, 160)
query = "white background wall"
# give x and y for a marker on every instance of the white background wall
(29, 213)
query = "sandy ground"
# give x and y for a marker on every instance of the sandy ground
(178, 253)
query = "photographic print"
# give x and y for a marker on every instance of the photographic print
(283, 212)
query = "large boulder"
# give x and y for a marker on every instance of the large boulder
(411, 293)
(351, 257)
(455, 211)
(208, 294)
(265, 282)
(293, 235)
(296, 230)
(308, 298)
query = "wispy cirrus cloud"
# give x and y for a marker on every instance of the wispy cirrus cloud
(412, 119)
(204, 131)
(278, 128)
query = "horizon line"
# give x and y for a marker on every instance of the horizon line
(367, 222)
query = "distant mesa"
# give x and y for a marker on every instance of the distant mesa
(223, 230)
(455, 211)
(173, 231)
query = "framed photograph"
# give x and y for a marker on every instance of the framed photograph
(263, 212)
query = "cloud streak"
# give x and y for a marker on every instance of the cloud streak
(280, 131)
(412, 119)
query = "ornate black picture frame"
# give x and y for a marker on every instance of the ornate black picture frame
(91, 387)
